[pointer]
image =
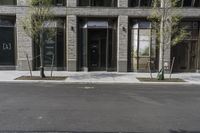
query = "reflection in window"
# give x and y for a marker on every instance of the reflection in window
(145, 2)
(144, 42)
(191, 28)
(7, 2)
(197, 3)
(143, 48)
(7, 40)
(50, 2)
(180, 3)
(188, 3)
(58, 2)
(100, 3)
(54, 44)
(134, 3)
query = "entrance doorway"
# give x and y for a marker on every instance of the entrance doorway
(7, 42)
(97, 50)
(97, 47)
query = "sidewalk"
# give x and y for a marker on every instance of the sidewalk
(97, 77)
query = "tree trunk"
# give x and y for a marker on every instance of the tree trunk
(161, 55)
(42, 75)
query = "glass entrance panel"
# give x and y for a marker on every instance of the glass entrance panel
(97, 49)
(49, 49)
(7, 41)
(7, 46)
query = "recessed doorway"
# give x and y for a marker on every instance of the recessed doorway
(97, 47)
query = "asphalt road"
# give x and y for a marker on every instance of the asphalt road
(100, 108)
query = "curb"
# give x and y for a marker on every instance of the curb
(99, 82)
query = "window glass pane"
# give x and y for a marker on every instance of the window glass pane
(59, 2)
(6, 22)
(187, 3)
(7, 42)
(145, 3)
(179, 3)
(105, 3)
(153, 44)
(197, 3)
(135, 42)
(7, 2)
(144, 42)
(142, 66)
(187, 25)
(84, 2)
(134, 3)
(145, 24)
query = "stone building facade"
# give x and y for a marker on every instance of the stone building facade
(111, 35)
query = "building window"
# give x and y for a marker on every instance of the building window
(54, 45)
(7, 41)
(140, 3)
(180, 3)
(58, 2)
(186, 52)
(197, 3)
(51, 2)
(98, 3)
(188, 3)
(143, 45)
(7, 2)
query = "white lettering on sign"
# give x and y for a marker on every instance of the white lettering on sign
(7, 46)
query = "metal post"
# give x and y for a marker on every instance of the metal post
(172, 66)
(107, 45)
(52, 65)
(29, 64)
(149, 65)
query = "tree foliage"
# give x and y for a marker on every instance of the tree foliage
(164, 13)
(37, 21)
(38, 15)
(166, 20)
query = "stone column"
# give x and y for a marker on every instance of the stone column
(71, 3)
(24, 45)
(122, 54)
(71, 42)
(122, 3)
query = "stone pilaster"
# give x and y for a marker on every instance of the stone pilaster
(122, 55)
(122, 3)
(71, 43)
(24, 45)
